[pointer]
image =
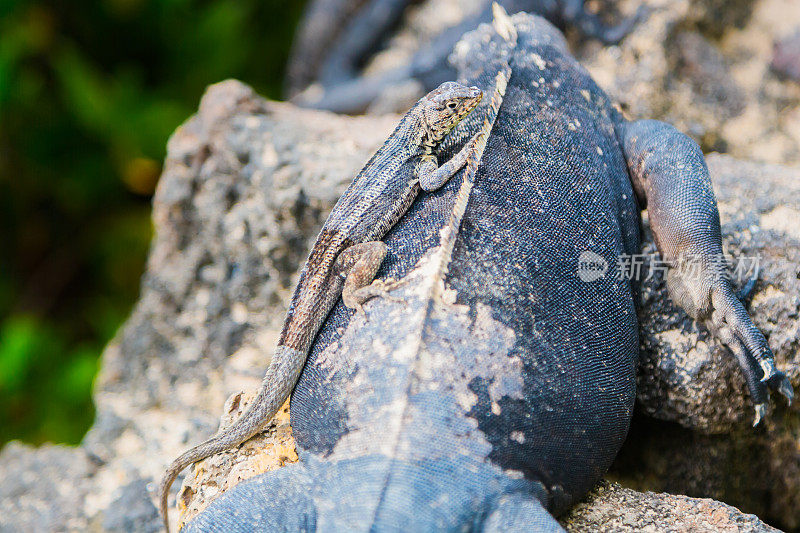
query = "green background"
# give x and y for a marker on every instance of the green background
(89, 93)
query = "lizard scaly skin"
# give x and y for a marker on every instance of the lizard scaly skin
(348, 252)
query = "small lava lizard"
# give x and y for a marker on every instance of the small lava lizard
(348, 253)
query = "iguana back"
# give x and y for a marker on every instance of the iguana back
(536, 364)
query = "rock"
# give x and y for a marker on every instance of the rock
(786, 57)
(269, 450)
(612, 508)
(45, 488)
(132, 510)
(247, 183)
(756, 471)
(703, 66)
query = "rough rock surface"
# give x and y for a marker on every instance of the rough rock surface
(44, 488)
(269, 450)
(619, 509)
(704, 66)
(247, 183)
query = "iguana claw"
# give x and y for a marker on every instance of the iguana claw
(768, 366)
(761, 410)
(785, 388)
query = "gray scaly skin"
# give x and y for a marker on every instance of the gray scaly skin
(348, 253)
(686, 227)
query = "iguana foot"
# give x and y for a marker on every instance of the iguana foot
(670, 178)
(731, 324)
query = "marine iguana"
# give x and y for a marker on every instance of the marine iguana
(502, 389)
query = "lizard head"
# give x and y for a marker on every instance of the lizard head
(445, 106)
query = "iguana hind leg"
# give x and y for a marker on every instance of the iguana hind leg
(671, 179)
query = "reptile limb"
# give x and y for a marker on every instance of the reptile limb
(431, 176)
(359, 264)
(671, 179)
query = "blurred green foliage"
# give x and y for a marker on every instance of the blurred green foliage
(89, 93)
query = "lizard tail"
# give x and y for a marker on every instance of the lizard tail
(279, 380)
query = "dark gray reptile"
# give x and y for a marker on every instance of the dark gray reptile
(337, 37)
(502, 388)
(348, 252)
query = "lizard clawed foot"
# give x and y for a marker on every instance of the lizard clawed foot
(380, 289)
(731, 324)
(355, 301)
(387, 285)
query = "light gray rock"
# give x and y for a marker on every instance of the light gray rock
(44, 489)
(704, 66)
(614, 509)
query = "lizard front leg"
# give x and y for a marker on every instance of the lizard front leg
(432, 176)
(671, 179)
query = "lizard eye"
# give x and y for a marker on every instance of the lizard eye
(451, 105)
